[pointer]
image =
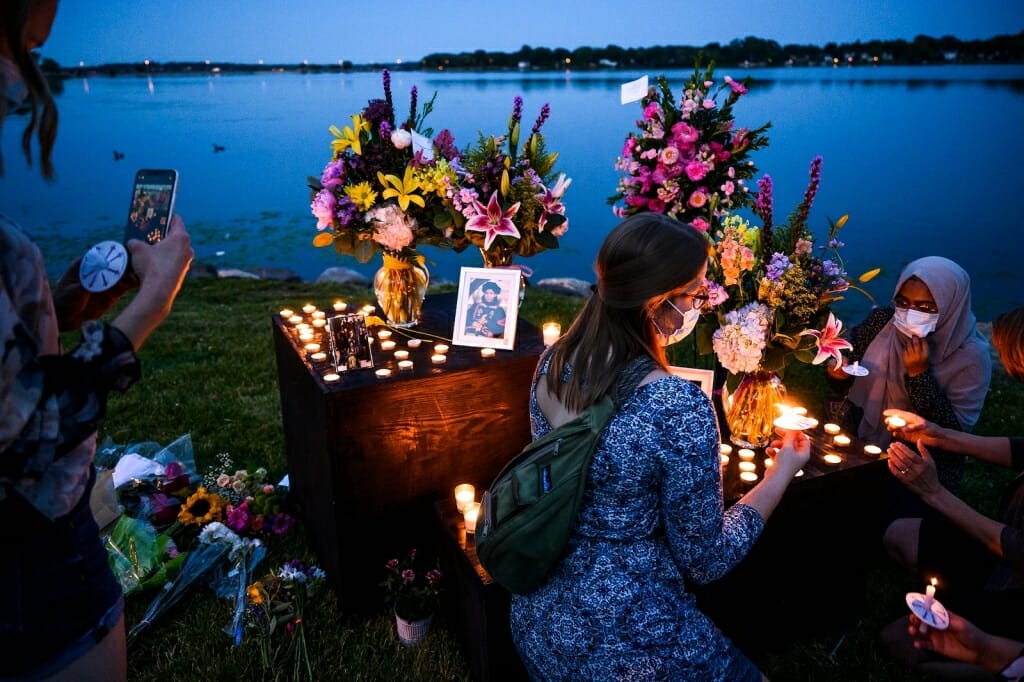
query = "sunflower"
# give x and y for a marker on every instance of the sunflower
(201, 508)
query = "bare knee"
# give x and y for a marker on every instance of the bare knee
(901, 539)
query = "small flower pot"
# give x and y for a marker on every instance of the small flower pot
(411, 633)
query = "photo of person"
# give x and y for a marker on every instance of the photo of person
(487, 308)
(350, 346)
(486, 316)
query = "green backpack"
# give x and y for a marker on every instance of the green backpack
(530, 509)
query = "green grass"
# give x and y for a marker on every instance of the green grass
(210, 371)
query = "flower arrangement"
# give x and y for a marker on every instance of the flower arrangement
(253, 506)
(414, 595)
(688, 160)
(510, 196)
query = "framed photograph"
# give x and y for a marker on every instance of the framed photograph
(704, 378)
(488, 308)
(350, 342)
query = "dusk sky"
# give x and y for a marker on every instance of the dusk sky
(290, 31)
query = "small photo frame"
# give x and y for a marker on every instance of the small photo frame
(350, 342)
(488, 308)
(703, 378)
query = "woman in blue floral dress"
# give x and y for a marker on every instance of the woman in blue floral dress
(616, 607)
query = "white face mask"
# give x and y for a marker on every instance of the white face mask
(15, 91)
(915, 323)
(690, 318)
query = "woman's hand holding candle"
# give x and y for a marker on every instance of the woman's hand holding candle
(910, 427)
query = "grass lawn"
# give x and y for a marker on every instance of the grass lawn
(210, 371)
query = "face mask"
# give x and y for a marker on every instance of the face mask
(915, 323)
(690, 318)
(15, 91)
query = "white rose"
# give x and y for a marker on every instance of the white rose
(401, 138)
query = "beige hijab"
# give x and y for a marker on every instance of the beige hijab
(958, 354)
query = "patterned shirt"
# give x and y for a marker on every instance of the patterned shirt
(616, 607)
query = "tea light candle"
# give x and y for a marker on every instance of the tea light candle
(799, 474)
(303, 327)
(841, 441)
(331, 377)
(414, 343)
(405, 365)
(319, 323)
(441, 348)
(384, 334)
(746, 454)
(725, 448)
(896, 422)
(286, 313)
(465, 495)
(367, 309)
(747, 466)
(401, 355)
(470, 515)
(768, 462)
(487, 352)
(725, 459)
(872, 450)
(748, 476)
(387, 345)
(552, 332)
(295, 319)
(831, 429)
(313, 347)
(800, 410)
(340, 306)
(308, 308)
(383, 373)
(318, 357)
(306, 337)
(833, 459)
(438, 359)
(319, 314)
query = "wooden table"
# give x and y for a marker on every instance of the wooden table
(367, 457)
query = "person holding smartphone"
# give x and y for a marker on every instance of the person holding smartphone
(61, 609)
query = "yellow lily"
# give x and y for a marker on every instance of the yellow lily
(401, 188)
(349, 137)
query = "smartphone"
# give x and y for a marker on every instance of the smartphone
(152, 205)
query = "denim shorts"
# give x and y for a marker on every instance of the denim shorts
(58, 596)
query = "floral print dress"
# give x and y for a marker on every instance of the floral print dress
(616, 607)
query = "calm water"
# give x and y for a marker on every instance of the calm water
(926, 160)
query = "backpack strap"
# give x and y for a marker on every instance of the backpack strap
(631, 376)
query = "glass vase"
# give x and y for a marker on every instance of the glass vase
(401, 286)
(500, 256)
(751, 409)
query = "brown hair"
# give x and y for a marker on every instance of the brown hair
(14, 15)
(647, 256)
(1008, 338)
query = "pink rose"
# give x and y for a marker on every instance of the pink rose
(669, 155)
(695, 170)
(700, 224)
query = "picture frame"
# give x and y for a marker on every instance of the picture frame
(349, 342)
(703, 378)
(488, 308)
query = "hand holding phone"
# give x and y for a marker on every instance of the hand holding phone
(152, 205)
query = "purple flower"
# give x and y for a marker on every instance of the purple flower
(695, 170)
(545, 111)
(517, 111)
(778, 266)
(445, 143)
(408, 575)
(386, 77)
(413, 94)
(333, 175)
(238, 517)
(763, 207)
(385, 130)
(378, 110)
(281, 524)
(173, 470)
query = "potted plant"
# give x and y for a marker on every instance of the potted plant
(413, 595)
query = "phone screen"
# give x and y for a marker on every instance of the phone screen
(152, 205)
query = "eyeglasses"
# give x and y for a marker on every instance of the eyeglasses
(920, 306)
(697, 300)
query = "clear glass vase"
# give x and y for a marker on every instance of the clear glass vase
(401, 286)
(751, 409)
(500, 256)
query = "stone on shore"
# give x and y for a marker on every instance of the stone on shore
(277, 274)
(568, 286)
(201, 270)
(338, 275)
(235, 273)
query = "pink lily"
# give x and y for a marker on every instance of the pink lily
(828, 341)
(493, 221)
(551, 200)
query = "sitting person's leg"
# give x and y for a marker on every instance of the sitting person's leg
(901, 540)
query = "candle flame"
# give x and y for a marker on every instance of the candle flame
(934, 582)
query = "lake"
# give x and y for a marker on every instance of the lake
(926, 160)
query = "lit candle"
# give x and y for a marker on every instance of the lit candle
(487, 352)
(319, 314)
(768, 462)
(929, 595)
(405, 365)
(841, 441)
(401, 355)
(748, 476)
(367, 309)
(832, 429)
(340, 306)
(791, 421)
(295, 319)
(383, 373)
(725, 448)
(725, 459)
(896, 422)
(746, 454)
(832, 459)
(319, 323)
(303, 327)
(286, 313)
(318, 357)
(800, 410)
(438, 359)
(552, 332)
(331, 377)
(465, 495)
(387, 345)
(470, 515)
(872, 450)
(308, 308)
(747, 466)
(384, 334)
(313, 347)
(799, 474)
(440, 348)
(414, 343)
(306, 337)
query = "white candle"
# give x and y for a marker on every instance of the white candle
(832, 429)
(841, 441)
(367, 309)
(387, 345)
(383, 373)
(800, 410)
(303, 327)
(872, 450)
(340, 306)
(384, 334)
(746, 454)
(286, 313)
(768, 462)
(465, 495)
(725, 459)
(470, 515)
(487, 352)
(799, 474)
(319, 314)
(725, 448)
(440, 348)
(896, 422)
(832, 459)
(414, 343)
(295, 319)
(318, 357)
(929, 595)
(747, 466)
(552, 332)
(308, 308)
(313, 347)
(331, 377)
(405, 365)
(401, 355)
(319, 323)
(306, 337)
(748, 476)
(438, 359)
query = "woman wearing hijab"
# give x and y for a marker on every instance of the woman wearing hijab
(925, 356)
